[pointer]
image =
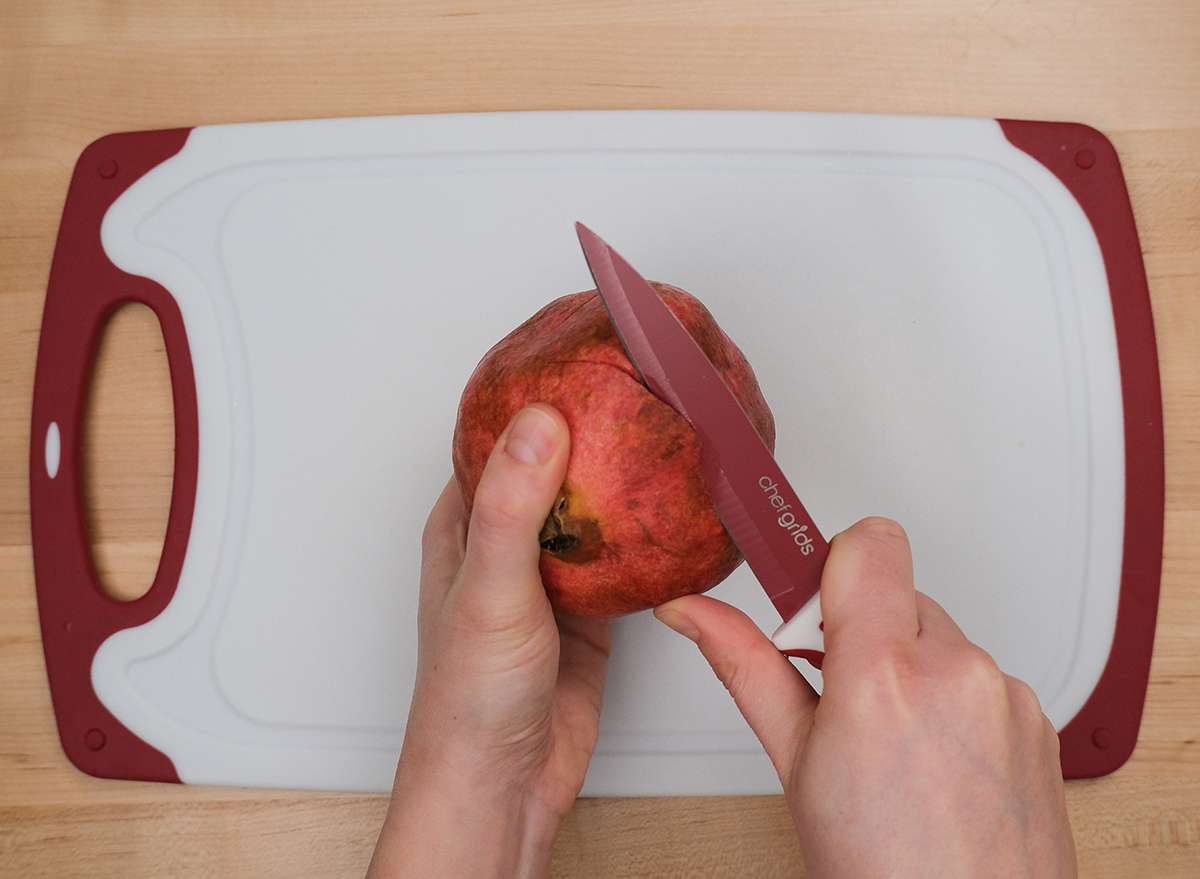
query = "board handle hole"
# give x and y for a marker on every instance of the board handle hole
(128, 456)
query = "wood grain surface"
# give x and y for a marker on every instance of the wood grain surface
(73, 70)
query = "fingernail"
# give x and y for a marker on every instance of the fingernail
(531, 437)
(678, 623)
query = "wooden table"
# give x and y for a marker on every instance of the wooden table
(72, 71)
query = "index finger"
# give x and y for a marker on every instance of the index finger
(868, 600)
(443, 543)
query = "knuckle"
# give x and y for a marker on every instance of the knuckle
(979, 681)
(1026, 705)
(496, 511)
(979, 670)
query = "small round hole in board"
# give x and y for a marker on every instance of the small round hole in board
(128, 453)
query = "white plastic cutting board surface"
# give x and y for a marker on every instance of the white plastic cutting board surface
(925, 307)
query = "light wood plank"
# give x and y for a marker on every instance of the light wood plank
(72, 71)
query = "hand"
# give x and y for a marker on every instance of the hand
(506, 707)
(920, 758)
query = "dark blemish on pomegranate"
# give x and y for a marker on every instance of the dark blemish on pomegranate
(655, 542)
(671, 449)
(647, 536)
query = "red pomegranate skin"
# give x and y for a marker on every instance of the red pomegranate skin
(633, 525)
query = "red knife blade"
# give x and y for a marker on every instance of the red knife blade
(754, 499)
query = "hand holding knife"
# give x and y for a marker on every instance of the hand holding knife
(752, 496)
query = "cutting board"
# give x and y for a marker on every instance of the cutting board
(949, 318)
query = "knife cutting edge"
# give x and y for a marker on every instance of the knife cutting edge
(758, 506)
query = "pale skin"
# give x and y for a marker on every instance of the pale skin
(920, 758)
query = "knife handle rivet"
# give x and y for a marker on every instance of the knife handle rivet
(1102, 737)
(95, 739)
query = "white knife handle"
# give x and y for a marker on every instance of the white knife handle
(803, 634)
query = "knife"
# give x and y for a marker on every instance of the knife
(758, 506)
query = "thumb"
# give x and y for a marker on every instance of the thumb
(518, 486)
(772, 695)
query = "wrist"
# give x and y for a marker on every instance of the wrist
(456, 818)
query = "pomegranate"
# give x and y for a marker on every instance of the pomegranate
(633, 525)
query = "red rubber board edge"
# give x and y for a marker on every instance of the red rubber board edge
(75, 612)
(1102, 736)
